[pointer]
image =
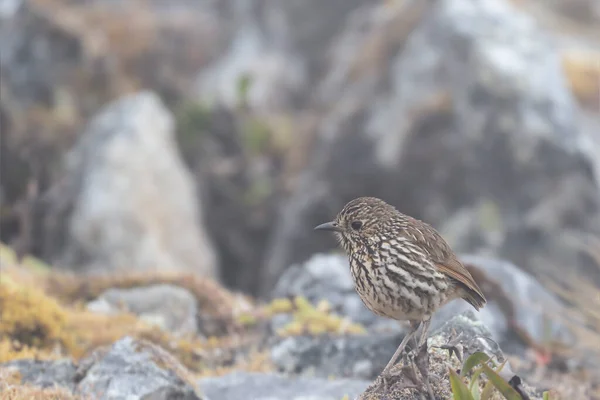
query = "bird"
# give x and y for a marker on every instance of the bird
(402, 267)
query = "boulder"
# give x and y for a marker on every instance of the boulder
(135, 369)
(134, 201)
(513, 295)
(353, 356)
(130, 369)
(170, 307)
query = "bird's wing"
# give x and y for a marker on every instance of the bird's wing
(454, 269)
(446, 261)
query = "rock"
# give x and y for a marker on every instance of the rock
(170, 307)
(130, 369)
(466, 334)
(256, 386)
(60, 64)
(527, 299)
(45, 374)
(134, 200)
(135, 369)
(466, 122)
(328, 277)
(357, 356)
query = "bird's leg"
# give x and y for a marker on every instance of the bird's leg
(424, 330)
(413, 329)
(414, 325)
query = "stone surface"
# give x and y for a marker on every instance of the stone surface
(465, 333)
(45, 373)
(531, 306)
(328, 277)
(133, 369)
(255, 386)
(130, 369)
(170, 307)
(465, 122)
(134, 200)
(359, 356)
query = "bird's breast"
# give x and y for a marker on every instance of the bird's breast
(390, 290)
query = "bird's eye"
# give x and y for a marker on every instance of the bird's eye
(356, 225)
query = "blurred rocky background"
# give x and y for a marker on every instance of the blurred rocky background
(162, 165)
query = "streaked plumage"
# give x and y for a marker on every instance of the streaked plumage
(402, 267)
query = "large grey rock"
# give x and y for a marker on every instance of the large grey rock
(328, 277)
(170, 307)
(467, 123)
(356, 356)
(532, 306)
(130, 369)
(133, 369)
(135, 205)
(255, 386)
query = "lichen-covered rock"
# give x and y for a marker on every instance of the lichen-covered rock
(135, 205)
(135, 369)
(170, 307)
(128, 370)
(243, 385)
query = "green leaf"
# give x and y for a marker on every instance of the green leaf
(474, 385)
(503, 387)
(460, 390)
(546, 395)
(473, 360)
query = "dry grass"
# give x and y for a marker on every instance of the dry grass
(582, 70)
(216, 302)
(36, 324)
(12, 389)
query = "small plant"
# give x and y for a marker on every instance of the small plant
(471, 390)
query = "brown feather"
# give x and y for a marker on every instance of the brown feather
(454, 269)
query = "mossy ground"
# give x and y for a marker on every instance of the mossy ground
(39, 324)
(44, 317)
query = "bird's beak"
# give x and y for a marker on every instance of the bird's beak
(328, 226)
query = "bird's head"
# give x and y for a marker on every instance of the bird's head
(363, 221)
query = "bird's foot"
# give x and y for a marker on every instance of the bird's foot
(453, 345)
(404, 377)
(417, 359)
